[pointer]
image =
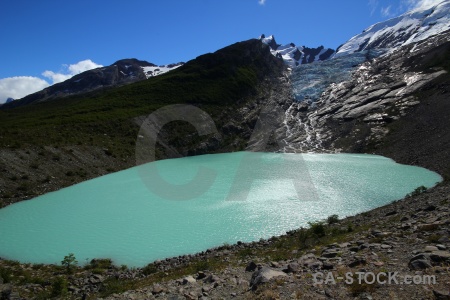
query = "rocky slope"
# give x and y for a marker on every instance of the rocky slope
(378, 102)
(76, 145)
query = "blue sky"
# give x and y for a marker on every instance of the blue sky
(44, 42)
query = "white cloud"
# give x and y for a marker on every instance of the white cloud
(386, 12)
(56, 77)
(261, 2)
(82, 66)
(71, 70)
(373, 4)
(421, 4)
(20, 86)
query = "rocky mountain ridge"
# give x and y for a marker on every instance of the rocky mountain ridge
(293, 55)
(409, 28)
(356, 115)
(121, 72)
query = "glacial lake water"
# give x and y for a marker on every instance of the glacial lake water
(186, 205)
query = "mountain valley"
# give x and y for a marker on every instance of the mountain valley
(385, 91)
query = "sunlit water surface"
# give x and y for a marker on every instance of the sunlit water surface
(242, 196)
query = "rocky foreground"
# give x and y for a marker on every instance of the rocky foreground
(405, 244)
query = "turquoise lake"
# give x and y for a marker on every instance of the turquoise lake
(186, 205)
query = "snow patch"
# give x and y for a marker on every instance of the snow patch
(411, 27)
(158, 70)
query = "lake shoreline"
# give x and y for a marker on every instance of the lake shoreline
(120, 216)
(167, 276)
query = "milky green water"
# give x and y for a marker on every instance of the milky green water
(142, 214)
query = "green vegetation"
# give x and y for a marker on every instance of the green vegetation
(5, 274)
(332, 219)
(213, 82)
(59, 287)
(69, 262)
(419, 190)
(317, 228)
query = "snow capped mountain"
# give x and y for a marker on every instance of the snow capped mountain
(411, 27)
(293, 55)
(122, 72)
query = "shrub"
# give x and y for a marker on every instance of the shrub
(149, 269)
(5, 274)
(333, 219)
(101, 263)
(69, 262)
(59, 287)
(317, 228)
(419, 190)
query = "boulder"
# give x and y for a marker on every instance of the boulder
(441, 295)
(251, 267)
(419, 264)
(440, 256)
(293, 268)
(189, 279)
(263, 275)
(157, 289)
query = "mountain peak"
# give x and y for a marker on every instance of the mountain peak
(293, 55)
(413, 26)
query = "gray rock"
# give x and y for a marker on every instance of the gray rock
(251, 267)
(263, 275)
(5, 291)
(189, 279)
(314, 265)
(206, 288)
(157, 289)
(293, 268)
(212, 278)
(330, 253)
(201, 275)
(419, 264)
(439, 246)
(357, 262)
(274, 264)
(431, 248)
(440, 256)
(441, 295)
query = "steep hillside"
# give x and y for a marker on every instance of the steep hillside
(48, 145)
(396, 105)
